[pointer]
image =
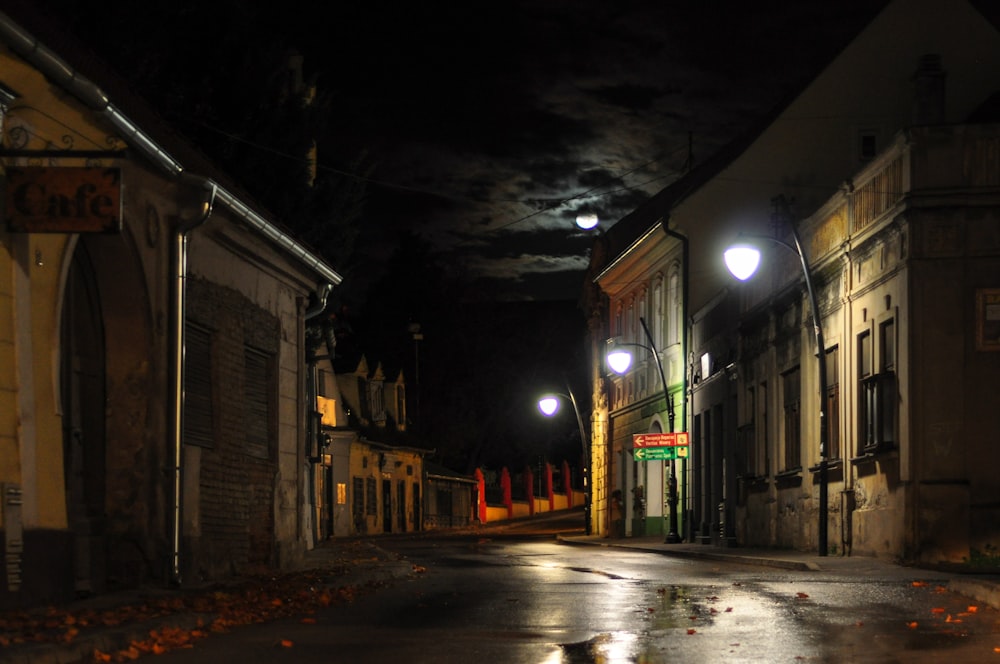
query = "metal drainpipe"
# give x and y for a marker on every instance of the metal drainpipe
(314, 427)
(180, 315)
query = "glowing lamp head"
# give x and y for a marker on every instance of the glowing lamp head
(548, 405)
(619, 360)
(586, 221)
(742, 260)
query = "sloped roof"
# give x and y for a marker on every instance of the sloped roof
(437, 470)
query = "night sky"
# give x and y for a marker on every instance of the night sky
(490, 126)
(495, 124)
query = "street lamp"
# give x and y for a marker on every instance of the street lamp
(620, 359)
(742, 261)
(549, 405)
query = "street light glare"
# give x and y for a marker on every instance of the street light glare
(619, 360)
(548, 405)
(742, 261)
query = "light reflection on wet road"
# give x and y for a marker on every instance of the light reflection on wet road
(531, 602)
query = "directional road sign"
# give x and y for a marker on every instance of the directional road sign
(674, 439)
(660, 453)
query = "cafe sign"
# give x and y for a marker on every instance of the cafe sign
(63, 200)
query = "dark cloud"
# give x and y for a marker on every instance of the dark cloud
(493, 124)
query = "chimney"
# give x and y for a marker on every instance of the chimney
(929, 91)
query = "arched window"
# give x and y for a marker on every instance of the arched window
(657, 324)
(673, 309)
(642, 312)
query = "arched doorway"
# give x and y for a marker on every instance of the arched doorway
(83, 401)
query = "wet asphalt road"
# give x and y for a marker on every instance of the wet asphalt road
(522, 599)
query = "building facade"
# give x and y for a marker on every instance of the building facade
(645, 315)
(361, 485)
(883, 165)
(152, 356)
(905, 262)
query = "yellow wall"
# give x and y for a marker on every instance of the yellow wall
(31, 454)
(365, 464)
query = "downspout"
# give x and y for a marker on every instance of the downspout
(314, 426)
(685, 271)
(180, 315)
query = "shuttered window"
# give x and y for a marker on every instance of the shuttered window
(199, 413)
(257, 403)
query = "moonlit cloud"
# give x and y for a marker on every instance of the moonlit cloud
(599, 106)
(519, 266)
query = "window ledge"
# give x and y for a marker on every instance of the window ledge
(790, 477)
(831, 464)
(871, 454)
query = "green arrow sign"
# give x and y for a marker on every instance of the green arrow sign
(654, 453)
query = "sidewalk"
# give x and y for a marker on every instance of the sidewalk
(983, 587)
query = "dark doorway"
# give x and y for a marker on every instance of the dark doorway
(418, 514)
(387, 506)
(401, 502)
(83, 395)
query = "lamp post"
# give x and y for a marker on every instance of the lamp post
(549, 405)
(742, 260)
(620, 359)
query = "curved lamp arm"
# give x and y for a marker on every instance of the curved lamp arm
(621, 360)
(820, 355)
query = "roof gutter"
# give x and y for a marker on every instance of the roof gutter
(59, 72)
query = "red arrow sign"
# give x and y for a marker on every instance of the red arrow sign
(676, 439)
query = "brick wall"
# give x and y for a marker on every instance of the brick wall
(234, 526)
